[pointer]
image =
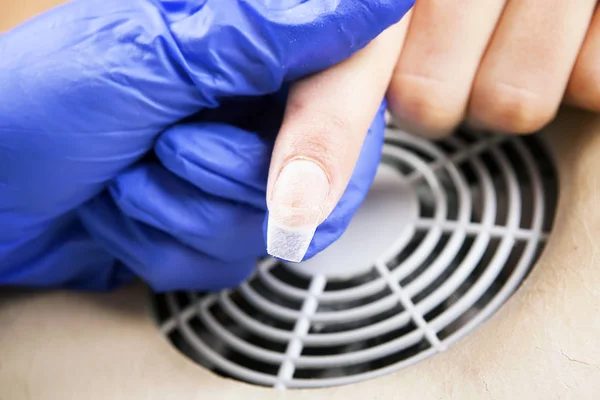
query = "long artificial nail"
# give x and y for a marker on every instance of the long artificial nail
(295, 210)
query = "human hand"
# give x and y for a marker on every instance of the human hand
(92, 87)
(499, 64)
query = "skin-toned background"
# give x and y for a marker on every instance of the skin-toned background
(543, 344)
(503, 64)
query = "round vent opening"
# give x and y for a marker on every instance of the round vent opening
(448, 232)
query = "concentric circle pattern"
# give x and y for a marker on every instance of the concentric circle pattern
(479, 210)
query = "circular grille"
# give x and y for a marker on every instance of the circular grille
(449, 230)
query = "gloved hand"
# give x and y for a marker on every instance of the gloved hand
(92, 87)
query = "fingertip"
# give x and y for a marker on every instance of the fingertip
(356, 191)
(424, 107)
(512, 109)
(583, 90)
(331, 130)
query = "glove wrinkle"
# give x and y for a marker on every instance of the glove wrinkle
(95, 86)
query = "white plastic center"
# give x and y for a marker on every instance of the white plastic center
(388, 209)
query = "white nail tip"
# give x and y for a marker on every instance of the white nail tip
(288, 243)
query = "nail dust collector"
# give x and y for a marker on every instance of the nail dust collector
(411, 302)
(447, 233)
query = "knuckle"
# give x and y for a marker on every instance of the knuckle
(511, 108)
(426, 102)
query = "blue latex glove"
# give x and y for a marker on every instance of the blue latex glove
(91, 87)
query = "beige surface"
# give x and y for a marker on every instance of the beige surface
(543, 344)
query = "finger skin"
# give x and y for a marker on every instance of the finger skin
(524, 74)
(445, 42)
(584, 85)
